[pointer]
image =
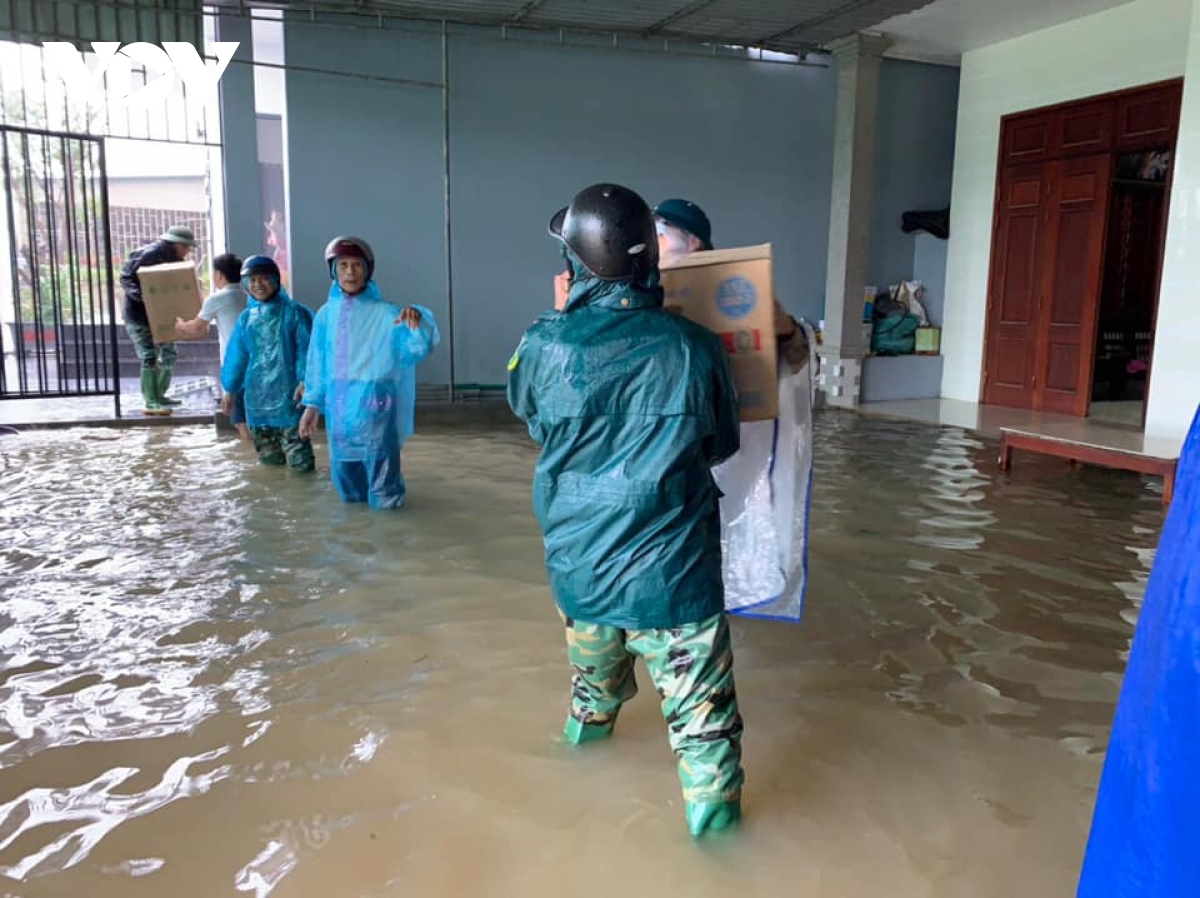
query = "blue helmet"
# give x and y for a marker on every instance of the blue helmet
(260, 265)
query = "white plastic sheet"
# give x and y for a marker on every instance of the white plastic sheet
(765, 508)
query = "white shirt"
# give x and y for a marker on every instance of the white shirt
(225, 306)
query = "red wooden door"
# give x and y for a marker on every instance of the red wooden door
(1074, 246)
(1015, 285)
(1149, 119)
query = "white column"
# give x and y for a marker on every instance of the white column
(1175, 371)
(858, 62)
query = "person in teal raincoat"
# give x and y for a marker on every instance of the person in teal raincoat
(362, 376)
(632, 407)
(265, 361)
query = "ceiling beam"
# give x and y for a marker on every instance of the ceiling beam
(689, 9)
(525, 11)
(848, 7)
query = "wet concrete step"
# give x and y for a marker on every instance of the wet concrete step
(196, 357)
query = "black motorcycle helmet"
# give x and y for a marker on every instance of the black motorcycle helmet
(610, 229)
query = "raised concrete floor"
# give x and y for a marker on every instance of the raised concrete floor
(198, 395)
(989, 420)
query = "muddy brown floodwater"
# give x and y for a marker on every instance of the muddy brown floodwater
(216, 679)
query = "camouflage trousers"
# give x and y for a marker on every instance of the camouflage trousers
(692, 670)
(283, 446)
(149, 353)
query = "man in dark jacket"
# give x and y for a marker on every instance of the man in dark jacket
(633, 406)
(157, 360)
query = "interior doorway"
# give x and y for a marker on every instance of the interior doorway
(1129, 294)
(1080, 224)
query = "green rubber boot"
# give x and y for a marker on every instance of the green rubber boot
(576, 732)
(150, 394)
(712, 816)
(164, 381)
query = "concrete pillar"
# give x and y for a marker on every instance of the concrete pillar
(1174, 371)
(858, 62)
(244, 233)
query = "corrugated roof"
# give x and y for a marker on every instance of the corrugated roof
(793, 26)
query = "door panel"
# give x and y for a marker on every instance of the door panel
(1149, 120)
(1085, 129)
(1079, 194)
(1027, 138)
(1015, 286)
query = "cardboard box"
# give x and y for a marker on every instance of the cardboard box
(730, 292)
(170, 291)
(929, 341)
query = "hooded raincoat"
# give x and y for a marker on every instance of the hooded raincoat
(632, 406)
(362, 378)
(266, 360)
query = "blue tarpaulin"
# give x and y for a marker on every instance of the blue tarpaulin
(1145, 839)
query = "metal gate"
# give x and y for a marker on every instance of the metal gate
(58, 325)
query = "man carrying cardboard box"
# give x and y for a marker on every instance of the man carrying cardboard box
(684, 228)
(765, 486)
(157, 359)
(632, 407)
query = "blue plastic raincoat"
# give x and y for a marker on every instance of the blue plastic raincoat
(266, 359)
(362, 378)
(1145, 840)
(632, 406)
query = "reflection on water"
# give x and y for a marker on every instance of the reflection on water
(217, 679)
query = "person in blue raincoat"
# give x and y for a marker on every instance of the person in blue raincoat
(362, 376)
(1145, 838)
(632, 406)
(265, 362)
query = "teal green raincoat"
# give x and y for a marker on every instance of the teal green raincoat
(632, 406)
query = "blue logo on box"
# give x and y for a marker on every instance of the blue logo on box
(736, 297)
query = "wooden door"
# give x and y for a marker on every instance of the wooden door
(1015, 285)
(1149, 119)
(1074, 270)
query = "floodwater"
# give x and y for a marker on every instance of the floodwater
(216, 679)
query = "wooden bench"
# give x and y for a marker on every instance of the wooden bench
(1089, 454)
